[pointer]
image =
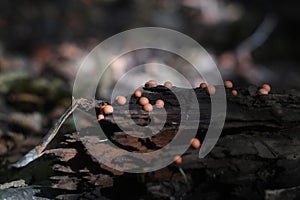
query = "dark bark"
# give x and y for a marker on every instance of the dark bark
(258, 152)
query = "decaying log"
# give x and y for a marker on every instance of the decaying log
(258, 152)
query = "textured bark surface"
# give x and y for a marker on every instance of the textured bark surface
(257, 156)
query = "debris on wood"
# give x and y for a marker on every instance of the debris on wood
(65, 182)
(63, 154)
(15, 184)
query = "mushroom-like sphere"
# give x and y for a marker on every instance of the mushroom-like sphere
(107, 109)
(137, 93)
(266, 87)
(144, 101)
(178, 160)
(228, 84)
(168, 84)
(159, 103)
(121, 100)
(148, 107)
(234, 92)
(151, 83)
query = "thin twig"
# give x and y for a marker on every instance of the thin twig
(183, 174)
(52, 133)
(38, 150)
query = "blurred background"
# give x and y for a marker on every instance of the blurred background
(252, 42)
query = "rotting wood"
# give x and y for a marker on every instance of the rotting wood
(259, 136)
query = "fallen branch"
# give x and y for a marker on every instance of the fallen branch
(38, 151)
